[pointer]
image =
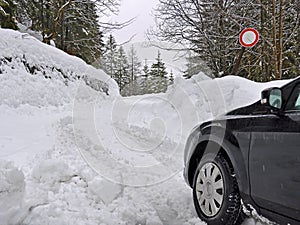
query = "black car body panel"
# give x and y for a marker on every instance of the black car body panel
(263, 146)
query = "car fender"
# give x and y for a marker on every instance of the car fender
(227, 142)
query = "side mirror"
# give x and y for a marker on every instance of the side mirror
(272, 97)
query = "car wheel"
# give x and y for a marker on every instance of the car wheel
(215, 192)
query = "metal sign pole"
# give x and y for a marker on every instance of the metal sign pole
(248, 38)
(238, 61)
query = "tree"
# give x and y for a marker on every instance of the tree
(122, 71)
(109, 58)
(38, 15)
(157, 81)
(134, 64)
(61, 9)
(158, 69)
(207, 27)
(146, 70)
(80, 32)
(7, 14)
(210, 29)
(72, 24)
(195, 65)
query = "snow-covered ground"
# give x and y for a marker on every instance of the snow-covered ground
(73, 155)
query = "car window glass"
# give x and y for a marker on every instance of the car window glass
(297, 105)
(275, 98)
(294, 101)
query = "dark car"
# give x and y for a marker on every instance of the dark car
(249, 157)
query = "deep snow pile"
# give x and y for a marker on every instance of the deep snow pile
(12, 190)
(44, 70)
(190, 102)
(85, 157)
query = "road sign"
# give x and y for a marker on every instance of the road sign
(249, 37)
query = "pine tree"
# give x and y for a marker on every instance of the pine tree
(108, 62)
(134, 64)
(72, 25)
(157, 81)
(195, 65)
(146, 70)
(82, 38)
(7, 14)
(37, 15)
(158, 68)
(122, 71)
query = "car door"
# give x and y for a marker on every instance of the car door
(274, 159)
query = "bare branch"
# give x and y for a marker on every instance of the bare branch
(58, 17)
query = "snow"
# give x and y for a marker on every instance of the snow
(103, 190)
(80, 156)
(12, 189)
(51, 171)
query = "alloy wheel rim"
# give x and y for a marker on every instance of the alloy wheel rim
(210, 189)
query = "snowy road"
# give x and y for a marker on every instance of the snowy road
(63, 185)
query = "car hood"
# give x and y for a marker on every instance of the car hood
(251, 110)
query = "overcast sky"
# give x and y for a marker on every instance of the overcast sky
(142, 10)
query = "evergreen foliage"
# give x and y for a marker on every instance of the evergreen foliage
(77, 29)
(196, 65)
(80, 32)
(146, 70)
(134, 64)
(157, 80)
(153, 80)
(122, 75)
(108, 62)
(158, 69)
(7, 14)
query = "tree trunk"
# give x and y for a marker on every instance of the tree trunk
(264, 70)
(276, 72)
(42, 18)
(238, 62)
(57, 19)
(280, 48)
(62, 36)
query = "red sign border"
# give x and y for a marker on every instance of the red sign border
(253, 43)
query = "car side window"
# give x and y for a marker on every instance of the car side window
(294, 100)
(297, 105)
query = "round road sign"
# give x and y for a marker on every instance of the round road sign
(249, 37)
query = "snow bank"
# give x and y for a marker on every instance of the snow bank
(185, 104)
(201, 98)
(37, 74)
(219, 95)
(12, 190)
(20, 88)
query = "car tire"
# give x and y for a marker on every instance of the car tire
(215, 192)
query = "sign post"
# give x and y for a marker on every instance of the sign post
(248, 38)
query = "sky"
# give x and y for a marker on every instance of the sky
(142, 10)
